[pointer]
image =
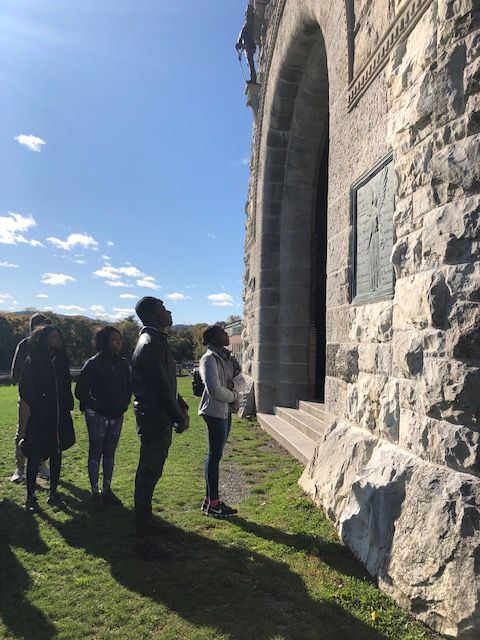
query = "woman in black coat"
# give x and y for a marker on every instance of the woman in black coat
(45, 386)
(104, 391)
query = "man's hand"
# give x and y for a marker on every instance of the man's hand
(184, 424)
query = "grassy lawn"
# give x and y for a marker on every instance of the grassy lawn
(275, 572)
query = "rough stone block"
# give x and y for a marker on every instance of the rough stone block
(451, 391)
(346, 362)
(407, 354)
(371, 322)
(338, 458)
(363, 400)
(399, 509)
(441, 442)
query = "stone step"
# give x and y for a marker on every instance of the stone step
(312, 427)
(294, 441)
(316, 409)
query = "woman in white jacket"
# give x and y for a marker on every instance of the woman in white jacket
(218, 368)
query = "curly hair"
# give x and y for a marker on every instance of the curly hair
(37, 343)
(102, 336)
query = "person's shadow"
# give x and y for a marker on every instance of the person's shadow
(238, 592)
(329, 551)
(20, 529)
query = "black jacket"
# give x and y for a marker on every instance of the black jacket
(154, 383)
(104, 386)
(45, 387)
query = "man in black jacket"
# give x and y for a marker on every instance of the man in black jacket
(158, 410)
(18, 362)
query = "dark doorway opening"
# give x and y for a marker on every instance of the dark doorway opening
(319, 276)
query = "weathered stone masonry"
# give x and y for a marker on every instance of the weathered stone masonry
(398, 468)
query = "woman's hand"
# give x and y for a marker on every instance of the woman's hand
(230, 385)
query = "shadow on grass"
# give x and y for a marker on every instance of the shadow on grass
(235, 591)
(19, 529)
(331, 553)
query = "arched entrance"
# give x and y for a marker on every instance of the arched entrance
(293, 229)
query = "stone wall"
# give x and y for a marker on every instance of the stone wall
(398, 468)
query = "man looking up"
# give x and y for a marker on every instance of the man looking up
(158, 409)
(18, 362)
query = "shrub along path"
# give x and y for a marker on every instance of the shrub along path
(275, 572)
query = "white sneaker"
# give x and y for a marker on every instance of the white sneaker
(18, 476)
(44, 471)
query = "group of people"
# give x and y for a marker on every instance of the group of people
(104, 390)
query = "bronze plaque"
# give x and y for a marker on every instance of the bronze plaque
(373, 205)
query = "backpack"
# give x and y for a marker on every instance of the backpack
(198, 386)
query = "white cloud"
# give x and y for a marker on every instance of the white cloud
(110, 244)
(13, 226)
(107, 273)
(41, 295)
(34, 143)
(4, 297)
(211, 235)
(80, 262)
(176, 297)
(47, 309)
(55, 279)
(148, 283)
(98, 310)
(127, 296)
(70, 308)
(106, 258)
(74, 240)
(131, 272)
(118, 283)
(221, 299)
(8, 265)
(114, 273)
(122, 313)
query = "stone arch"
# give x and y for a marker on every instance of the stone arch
(297, 126)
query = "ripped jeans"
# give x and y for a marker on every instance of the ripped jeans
(103, 434)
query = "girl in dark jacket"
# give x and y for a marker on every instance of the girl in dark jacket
(45, 387)
(104, 391)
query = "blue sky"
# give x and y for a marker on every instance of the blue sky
(124, 140)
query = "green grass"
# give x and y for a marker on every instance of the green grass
(277, 572)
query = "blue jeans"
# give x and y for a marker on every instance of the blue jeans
(218, 431)
(103, 435)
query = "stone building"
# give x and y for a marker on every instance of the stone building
(362, 282)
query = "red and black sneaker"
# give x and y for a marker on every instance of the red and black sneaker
(220, 510)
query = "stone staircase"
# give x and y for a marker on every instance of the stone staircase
(297, 430)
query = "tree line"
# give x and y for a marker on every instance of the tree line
(185, 340)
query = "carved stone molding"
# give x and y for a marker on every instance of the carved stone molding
(399, 30)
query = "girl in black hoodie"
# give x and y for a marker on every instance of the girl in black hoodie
(104, 391)
(45, 387)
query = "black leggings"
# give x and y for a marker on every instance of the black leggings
(33, 464)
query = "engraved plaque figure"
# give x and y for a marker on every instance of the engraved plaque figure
(373, 207)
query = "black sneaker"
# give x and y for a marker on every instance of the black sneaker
(31, 505)
(56, 501)
(149, 549)
(108, 497)
(221, 510)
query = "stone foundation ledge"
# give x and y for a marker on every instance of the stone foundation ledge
(413, 524)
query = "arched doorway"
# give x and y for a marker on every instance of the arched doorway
(293, 228)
